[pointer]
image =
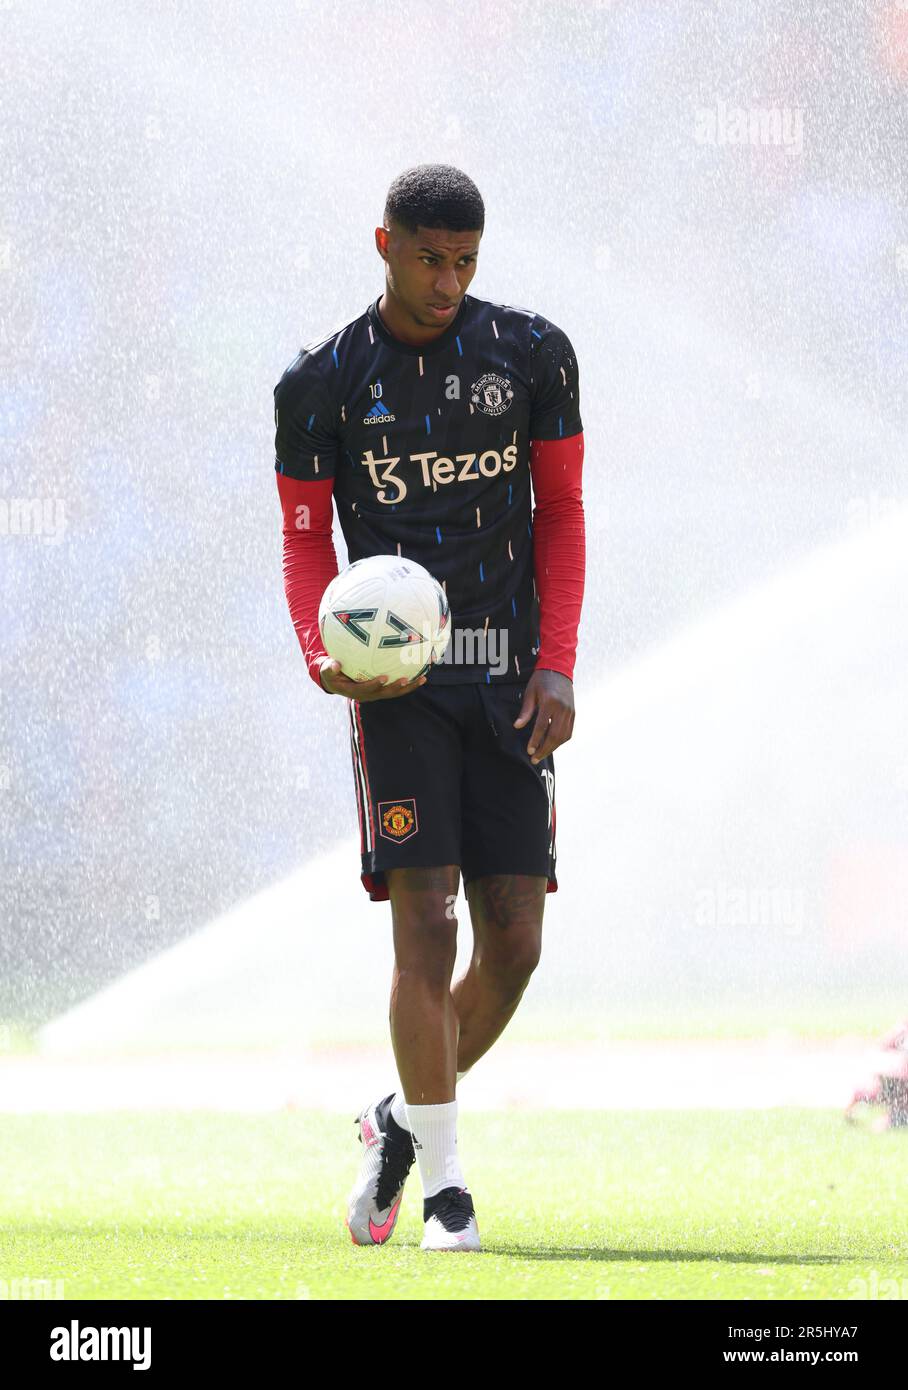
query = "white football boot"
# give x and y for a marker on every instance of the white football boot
(387, 1159)
(450, 1221)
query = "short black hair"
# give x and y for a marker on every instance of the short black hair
(435, 195)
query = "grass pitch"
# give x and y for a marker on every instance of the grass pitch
(603, 1205)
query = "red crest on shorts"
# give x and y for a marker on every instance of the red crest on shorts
(397, 819)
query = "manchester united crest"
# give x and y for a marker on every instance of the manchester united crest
(397, 819)
(492, 394)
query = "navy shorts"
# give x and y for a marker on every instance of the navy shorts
(443, 777)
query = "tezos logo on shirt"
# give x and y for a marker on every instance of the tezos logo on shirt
(492, 394)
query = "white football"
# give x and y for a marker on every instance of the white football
(384, 616)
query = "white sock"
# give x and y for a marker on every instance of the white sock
(434, 1130)
(399, 1106)
(399, 1111)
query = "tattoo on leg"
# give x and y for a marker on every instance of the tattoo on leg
(423, 896)
(502, 900)
(439, 878)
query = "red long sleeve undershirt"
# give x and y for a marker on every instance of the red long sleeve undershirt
(559, 548)
(559, 552)
(310, 560)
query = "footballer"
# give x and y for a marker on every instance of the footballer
(446, 429)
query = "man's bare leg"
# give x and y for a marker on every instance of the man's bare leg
(437, 1031)
(424, 1024)
(424, 1031)
(424, 1035)
(506, 911)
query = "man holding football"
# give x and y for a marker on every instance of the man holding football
(424, 421)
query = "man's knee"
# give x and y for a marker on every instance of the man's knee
(426, 955)
(507, 926)
(425, 928)
(509, 967)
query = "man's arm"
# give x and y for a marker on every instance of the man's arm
(559, 541)
(310, 560)
(305, 460)
(559, 548)
(306, 450)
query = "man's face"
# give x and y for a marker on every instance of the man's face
(432, 267)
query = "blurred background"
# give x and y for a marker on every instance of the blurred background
(711, 201)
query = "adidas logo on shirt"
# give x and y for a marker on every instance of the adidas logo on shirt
(378, 415)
